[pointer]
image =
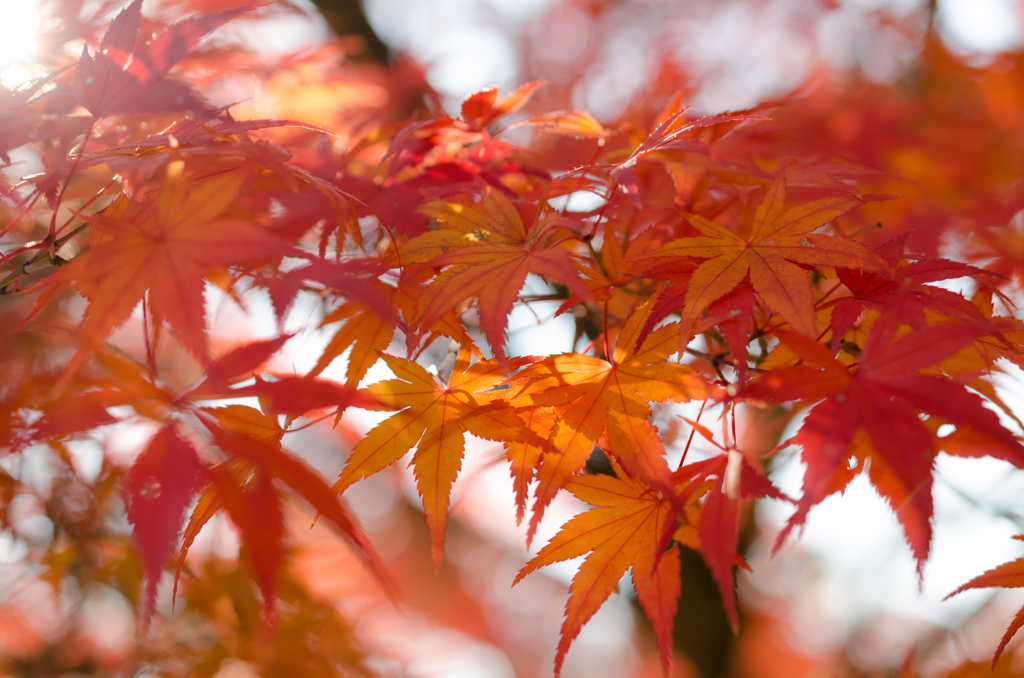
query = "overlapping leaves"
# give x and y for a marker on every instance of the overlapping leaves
(487, 251)
(875, 412)
(592, 401)
(434, 418)
(706, 238)
(767, 249)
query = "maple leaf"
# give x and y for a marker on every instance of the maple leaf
(114, 380)
(293, 472)
(570, 123)
(673, 133)
(488, 252)
(1008, 575)
(882, 398)
(164, 246)
(238, 363)
(658, 585)
(767, 250)
(70, 414)
(18, 125)
(289, 395)
(431, 159)
(524, 458)
(901, 292)
(407, 297)
(244, 487)
(365, 332)
(480, 109)
(158, 489)
(629, 526)
(248, 495)
(1005, 341)
(224, 142)
(207, 504)
(363, 329)
(732, 315)
(598, 398)
(435, 418)
(351, 278)
(122, 79)
(718, 526)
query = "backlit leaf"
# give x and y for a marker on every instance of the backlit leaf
(434, 418)
(159, 488)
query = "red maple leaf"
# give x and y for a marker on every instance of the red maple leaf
(724, 481)
(158, 489)
(121, 78)
(884, 397)
(902, 291)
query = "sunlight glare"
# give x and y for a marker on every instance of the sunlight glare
(18, 36)
(981, 26)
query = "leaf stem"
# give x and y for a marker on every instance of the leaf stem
(67, 181)
(595, 256)
(829, 293)
(689, 441)
(150, 358)
(607, 350)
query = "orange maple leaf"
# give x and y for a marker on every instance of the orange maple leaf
(629, 526)
(524, 458)
(488, 252)
(365, 331)
(601, 400)
(164, 246)
(368, 332)
(765, 249)
(674, 132)
(435, 418)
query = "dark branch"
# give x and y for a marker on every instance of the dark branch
(346, 17)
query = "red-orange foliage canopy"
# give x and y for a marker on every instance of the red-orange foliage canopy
(729, 260)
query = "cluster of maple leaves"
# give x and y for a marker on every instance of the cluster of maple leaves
(715, 267)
